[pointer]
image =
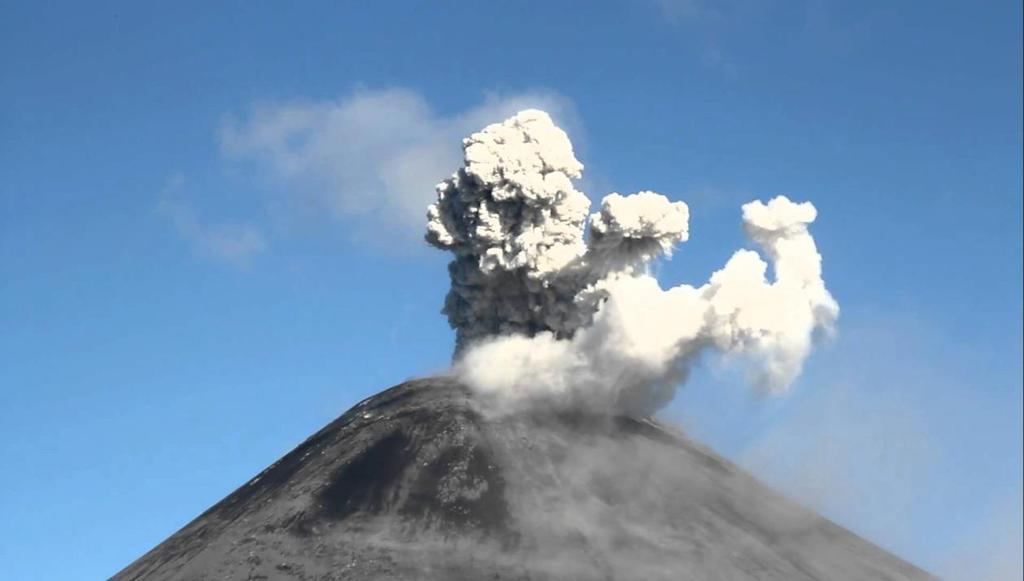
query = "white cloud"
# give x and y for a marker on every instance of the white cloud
(370, 159)
(235, 243)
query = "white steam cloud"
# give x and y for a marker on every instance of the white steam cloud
(541, 312)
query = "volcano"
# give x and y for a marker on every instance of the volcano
(421, 482)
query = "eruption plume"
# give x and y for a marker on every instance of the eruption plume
(543, 313)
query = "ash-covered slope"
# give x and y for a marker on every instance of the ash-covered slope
(415, 484)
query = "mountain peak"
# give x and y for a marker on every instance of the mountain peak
(418, 483)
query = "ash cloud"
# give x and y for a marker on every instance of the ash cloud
(543, 312)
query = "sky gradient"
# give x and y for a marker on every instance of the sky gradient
(203, 257)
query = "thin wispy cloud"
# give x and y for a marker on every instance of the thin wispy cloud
(234, 243)
(994, 548)
(713, 58)
(366, 163)
(704, 20)
(369, 160)
(680, 10)
(865, 445)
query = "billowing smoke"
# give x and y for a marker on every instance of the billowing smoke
(543, 313)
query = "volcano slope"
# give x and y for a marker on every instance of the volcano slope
(417, 483)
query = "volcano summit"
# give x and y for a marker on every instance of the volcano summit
(536, 457)
(419, 483)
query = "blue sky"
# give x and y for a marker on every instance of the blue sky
(204, 255)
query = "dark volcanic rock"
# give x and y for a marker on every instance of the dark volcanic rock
(415, 483)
